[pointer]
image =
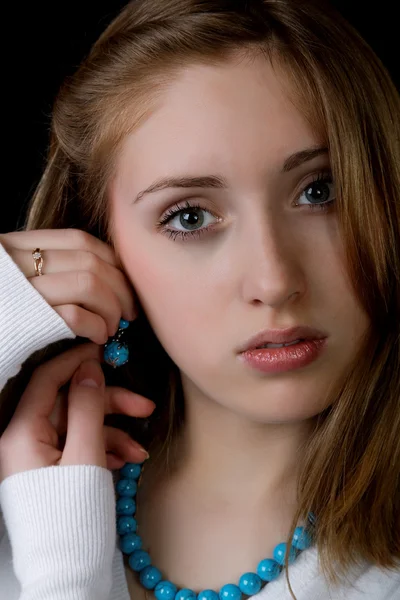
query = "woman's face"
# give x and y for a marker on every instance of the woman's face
(252, 255)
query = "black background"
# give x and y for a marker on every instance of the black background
(44, 42)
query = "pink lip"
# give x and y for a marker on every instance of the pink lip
(282, 336)
(279, 360)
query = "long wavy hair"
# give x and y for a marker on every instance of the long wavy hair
(350, 472)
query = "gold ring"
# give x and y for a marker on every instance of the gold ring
(38, 261)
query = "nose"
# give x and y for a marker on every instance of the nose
(271, 265)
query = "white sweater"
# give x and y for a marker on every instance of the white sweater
(58, 537)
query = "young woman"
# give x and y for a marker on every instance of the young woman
(224, 176)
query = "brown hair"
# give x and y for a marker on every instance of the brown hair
(350, 475)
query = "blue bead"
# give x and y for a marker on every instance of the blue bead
(301, 538)
(130, 542)
(185, 594)
(149, 577)
(123, 324)
(250, 584)
(131, 470)
(230, 591)
(139, 559)
(126, 506)
(208, 595)
(126, 487)
(116, 354)
(126, 525)
(280, 552)
(268, 569)
(165, 590)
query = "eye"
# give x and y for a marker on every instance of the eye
(187, 220)
(319, 193)
(192, 220)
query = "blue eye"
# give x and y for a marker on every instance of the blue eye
(191, 221)
(319, 193)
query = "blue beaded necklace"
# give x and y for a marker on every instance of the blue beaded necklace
(249, 584)
(151, 578)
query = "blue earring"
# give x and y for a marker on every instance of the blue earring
(116, 353)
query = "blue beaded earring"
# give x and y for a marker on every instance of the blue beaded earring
(116, 353)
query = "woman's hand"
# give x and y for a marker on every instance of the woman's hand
(45, 415)
(82, 280)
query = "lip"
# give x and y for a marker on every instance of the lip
(284, 359)
(282, 336)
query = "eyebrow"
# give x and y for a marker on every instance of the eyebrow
(218, 182)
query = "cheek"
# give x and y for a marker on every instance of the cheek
(177, 288)
(173, 299)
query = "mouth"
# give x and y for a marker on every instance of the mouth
(271, 358)
(270, 345)
(281, 338)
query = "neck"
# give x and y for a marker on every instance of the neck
(228, 479)
(225, 455)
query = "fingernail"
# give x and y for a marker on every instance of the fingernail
(139, 447)
(89, 383)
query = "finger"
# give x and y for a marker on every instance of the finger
(62, 261)
(84, 442)
(83, 288)
(119, 400)
(84, 323)
(57, 239)
(122, 445)
(113, 462)
(71, 250)
(40, 395)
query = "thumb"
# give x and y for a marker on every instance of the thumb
(84, 442)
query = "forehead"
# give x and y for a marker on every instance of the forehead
(218, 116)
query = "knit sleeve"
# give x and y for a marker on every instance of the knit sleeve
(62, 529)
(27, 321)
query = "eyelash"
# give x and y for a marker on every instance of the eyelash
(322, 177)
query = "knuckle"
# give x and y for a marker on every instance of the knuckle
(79, 238)
(88, 261)
(86, 281)
(73, 315)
